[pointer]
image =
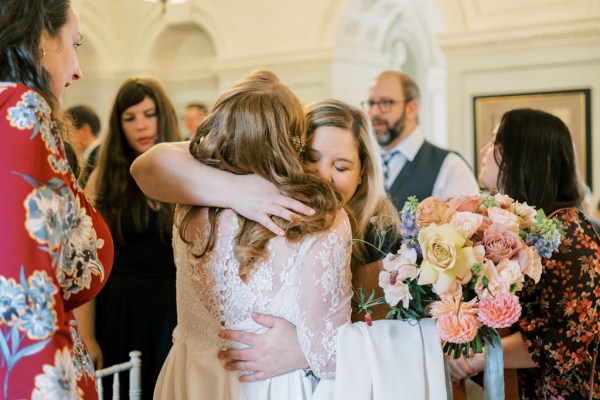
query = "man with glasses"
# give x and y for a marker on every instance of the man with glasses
(412, 165)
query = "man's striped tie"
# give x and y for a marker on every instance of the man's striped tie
(386, 158)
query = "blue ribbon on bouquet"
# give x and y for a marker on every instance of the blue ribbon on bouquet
(493, 383)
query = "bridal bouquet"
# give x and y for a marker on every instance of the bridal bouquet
(463, 262)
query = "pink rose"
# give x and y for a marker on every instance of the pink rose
(485, 224)
(465, 203)
(503, 217)
(466, 222)
(432, 211)
(500, 243)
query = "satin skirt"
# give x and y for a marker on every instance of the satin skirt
(201, 375)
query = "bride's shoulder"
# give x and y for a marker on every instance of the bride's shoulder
(342, 220)
(339, 227)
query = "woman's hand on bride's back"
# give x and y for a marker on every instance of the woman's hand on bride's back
(271, 353)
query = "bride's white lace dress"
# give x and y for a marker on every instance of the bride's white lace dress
(306, 282)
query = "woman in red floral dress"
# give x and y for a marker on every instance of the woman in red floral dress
(56, 250)
(555, 343)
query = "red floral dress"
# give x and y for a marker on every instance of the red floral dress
(560, 320)
(56, 253)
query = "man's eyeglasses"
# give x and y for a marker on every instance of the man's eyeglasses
(384, 105)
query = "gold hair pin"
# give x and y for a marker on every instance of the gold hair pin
(298, 143)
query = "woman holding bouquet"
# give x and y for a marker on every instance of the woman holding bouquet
(554, 345)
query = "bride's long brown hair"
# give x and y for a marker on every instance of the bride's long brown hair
(258, 127)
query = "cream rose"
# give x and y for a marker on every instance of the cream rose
(499, 278)
(527, 214)
(510, 272)
(503, 217)
(444, 257)
(466, 222)
(504, 200)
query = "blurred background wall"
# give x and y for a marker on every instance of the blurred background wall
(455, 49)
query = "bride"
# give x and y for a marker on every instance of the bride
(229, 266)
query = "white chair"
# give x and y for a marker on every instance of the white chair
(134, 366)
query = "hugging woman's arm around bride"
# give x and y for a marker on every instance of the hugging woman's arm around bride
(229, 266)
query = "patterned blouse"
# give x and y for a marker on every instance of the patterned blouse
(56, 253)
(560, 320)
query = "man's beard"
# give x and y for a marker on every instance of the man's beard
(391, 133)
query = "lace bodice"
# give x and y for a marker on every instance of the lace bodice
(306, 282)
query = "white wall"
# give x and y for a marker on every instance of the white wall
(519, 47)
(320, 48)
(201, 47)
(455, 49)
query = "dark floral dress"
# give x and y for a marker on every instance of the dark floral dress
(55, 255)
(560, 320)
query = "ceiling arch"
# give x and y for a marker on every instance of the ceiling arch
(200, 14)
(194, 48)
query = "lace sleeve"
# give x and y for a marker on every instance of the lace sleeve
(324, 295)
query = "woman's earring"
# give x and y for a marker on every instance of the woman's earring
(43, 53)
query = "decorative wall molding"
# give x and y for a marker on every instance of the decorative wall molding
(482, 42)
(279, 58)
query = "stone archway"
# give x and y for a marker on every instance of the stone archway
(375, 35)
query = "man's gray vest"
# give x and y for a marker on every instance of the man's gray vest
(418, 176)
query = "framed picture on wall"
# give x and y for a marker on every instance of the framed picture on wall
(572, 106)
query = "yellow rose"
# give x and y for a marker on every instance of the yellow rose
(444, 257)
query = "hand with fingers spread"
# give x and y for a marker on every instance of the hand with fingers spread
(271, 353)
(262, 199)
